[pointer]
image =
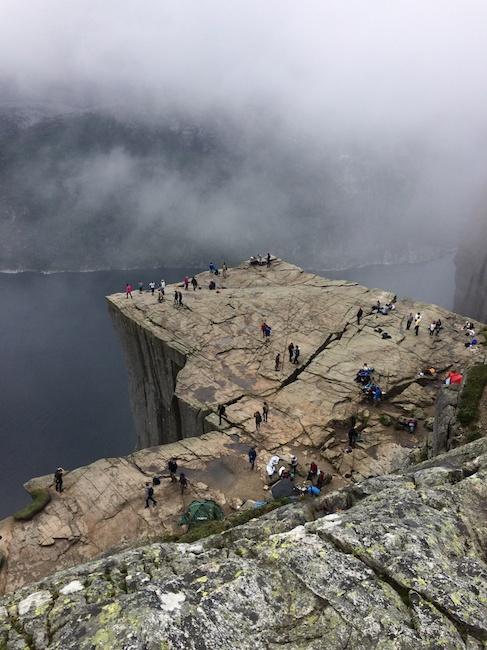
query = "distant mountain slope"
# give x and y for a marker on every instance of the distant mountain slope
(87, 189)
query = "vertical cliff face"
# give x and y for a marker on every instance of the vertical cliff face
(153, 366)
(471, 272)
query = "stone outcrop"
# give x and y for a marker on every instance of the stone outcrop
(444, 429)
(183, 361)
(393, 562)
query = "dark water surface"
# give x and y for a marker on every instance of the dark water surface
(63, 390)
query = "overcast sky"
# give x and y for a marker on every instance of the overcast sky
(391, 63)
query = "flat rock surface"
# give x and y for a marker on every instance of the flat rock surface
(226, 360)
(388, 563)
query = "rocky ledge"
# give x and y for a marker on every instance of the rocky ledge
(183, 361)
(397, 561)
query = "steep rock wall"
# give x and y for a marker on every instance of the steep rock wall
(153, 366)
(471, 272)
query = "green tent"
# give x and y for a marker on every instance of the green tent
(199, 512)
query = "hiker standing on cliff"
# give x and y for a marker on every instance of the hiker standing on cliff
(141, 287)
(252, 454)
(128, 290)
(149, 495)
(194, 283)
(409, 321)
(183, 482)
(265, 411)
(297, 352)
(58, 479)
(163, 286)
(290, 349)
(180, 298)
(417, 321)
(186, 282)
(258, 420)
(360, 313)
(224, 269)
(152, 287)
(176, 296)
(221, 412)
(268, 260)
(263, 327)
(352, 436)
(277, 361)
(172, 466)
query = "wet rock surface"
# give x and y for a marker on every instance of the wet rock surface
(392, 562)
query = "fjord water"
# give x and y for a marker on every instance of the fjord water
(63, 384)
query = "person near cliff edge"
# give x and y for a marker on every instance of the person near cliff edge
(58, 479)
(152, 287)
(128, 290)
(409, 321)
(172, 466)
(194, 283)
(252, 454)
(417, 321)
(183, 482)
(360, 313)
(149, 495)
(186, 282)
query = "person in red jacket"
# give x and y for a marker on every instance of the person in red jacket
(313, 472)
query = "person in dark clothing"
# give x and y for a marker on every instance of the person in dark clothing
(176, 297)
(58, 479)
(180, 298)
(141, 287)
(360, 313)
(149, 495)
(268, 260)
(296, 354)
(265, 411)
(313, 472)
(221, 412)
(294, 466)
(194, 283)
(183, 482)
(290, 349)
(438, 327)
(416, 328)
(172, 466)
(258, 420)
(352, 436)
(252, 457)
(212, 286)
(277, 361)
(320, 479)
(409, 321)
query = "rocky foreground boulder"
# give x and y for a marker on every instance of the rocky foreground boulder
(396, 561)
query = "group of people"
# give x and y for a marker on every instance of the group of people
(414, 319)
(371, 390)
(259, 418)
(172, 467)
(289, 471)
(259, 260)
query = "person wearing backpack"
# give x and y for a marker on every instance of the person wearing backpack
(149, 495)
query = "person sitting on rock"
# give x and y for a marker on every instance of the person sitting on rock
(212, 285)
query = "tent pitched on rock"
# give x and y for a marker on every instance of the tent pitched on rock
(201, 511)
